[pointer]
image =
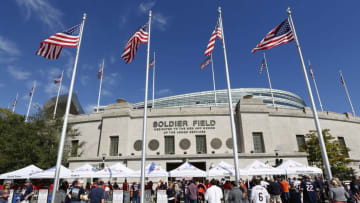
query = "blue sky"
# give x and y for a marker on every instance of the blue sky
(328, 32)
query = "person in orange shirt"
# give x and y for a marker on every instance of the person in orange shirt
(285, 196)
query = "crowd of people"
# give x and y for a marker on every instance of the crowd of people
(257, 190)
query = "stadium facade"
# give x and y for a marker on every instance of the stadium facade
(190, 127)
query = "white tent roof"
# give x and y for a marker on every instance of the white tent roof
(115, 171)
(222, 169)
(152, 170)
(22, 173)
(259, 168)
(187, 170)
(292, 168)
(85, 171)
(50, 173)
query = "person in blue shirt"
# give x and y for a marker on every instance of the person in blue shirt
(97, 194)
(309, 190)
(27, 191)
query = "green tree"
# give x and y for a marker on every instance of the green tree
(337, 154)
(35, 142)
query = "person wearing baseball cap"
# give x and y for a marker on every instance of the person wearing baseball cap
(27, 191)
(97, 195)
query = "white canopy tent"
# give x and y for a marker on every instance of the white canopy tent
(187, 170)
(115, 171)
(50, 173)
(84, 171)
(258, 168)
(22, 173)
(221, 169)
(152, 170)
(294, 168)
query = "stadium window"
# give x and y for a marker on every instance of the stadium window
(169, 145)
(343, 145)
(201, 144)
(300, 139)
(259, 146)
(114, 145)
(74, 148)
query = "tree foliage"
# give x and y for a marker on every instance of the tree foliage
(337, 154)
(34, 142)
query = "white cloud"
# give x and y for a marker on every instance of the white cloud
(123, 20)
(51, 89)
(165, 91)
(84, 79)
(160, 21)
(46, 13)
(18, 74)
(89, 108)
(112, 59)
(7, 59)
(106, 93)
(144, 7)
(8, 47)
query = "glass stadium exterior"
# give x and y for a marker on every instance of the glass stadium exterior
(283, 99)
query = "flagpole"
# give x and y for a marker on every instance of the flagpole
(268, 75)
(14, 106)
(68, 104)
(153, 85)
(31, 97)
(316, 89)
(213, 77)
(143, 153)
(58, 94)
(347, 93)
(316, 118)
(101, 79)
(232, 122)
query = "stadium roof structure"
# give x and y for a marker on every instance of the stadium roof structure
(283, 99)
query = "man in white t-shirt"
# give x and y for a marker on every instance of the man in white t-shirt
(214, 194)
(259, 194)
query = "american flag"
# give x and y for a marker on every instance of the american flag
(206, 62)
(31, 92)
(281, 34)
(51, 47)
(58, 79)
(140, 36)
(152, 63)
(342, 80)
(311, 72)
(217, 33)
(100, 72)
(262, 66)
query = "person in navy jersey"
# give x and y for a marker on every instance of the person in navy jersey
(27, 192)
(97, 194)
(309, 190)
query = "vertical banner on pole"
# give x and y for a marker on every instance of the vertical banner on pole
(232, 121)
(316, 118)
(100, 76)
(68, 104)
(143, 153)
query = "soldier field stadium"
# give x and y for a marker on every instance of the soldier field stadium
(193, 127)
